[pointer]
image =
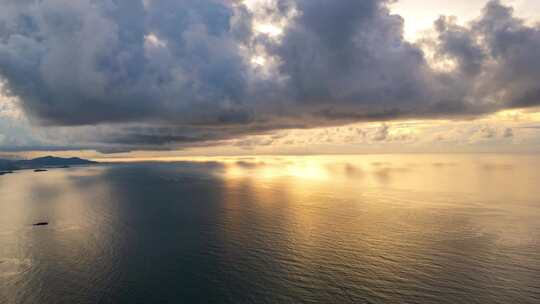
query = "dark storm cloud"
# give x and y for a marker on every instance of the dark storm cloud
(351, 55)
(83, 62)
(186, 65)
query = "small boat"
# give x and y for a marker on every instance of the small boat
(40, 170)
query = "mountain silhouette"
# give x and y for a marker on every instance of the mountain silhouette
(42, 162)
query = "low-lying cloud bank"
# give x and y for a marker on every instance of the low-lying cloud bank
(169, 73)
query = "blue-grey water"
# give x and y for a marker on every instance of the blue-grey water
(348, 229)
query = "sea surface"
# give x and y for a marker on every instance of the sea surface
(317, 229)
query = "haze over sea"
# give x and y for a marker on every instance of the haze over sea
(327, 229)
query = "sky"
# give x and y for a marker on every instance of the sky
(163, 78)
(419, 15)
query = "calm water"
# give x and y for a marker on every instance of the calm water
(362, 229)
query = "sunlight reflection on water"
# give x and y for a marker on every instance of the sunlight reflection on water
(331, 229)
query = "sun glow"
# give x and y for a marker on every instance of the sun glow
(153, 40)
(305, 168)
(268, 29)
(258, 60)
(268, 19)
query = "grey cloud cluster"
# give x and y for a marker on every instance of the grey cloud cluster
(496, 56)
(85, 62)
(348, 61)
(164, 72)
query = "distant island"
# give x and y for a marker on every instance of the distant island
(38, 164)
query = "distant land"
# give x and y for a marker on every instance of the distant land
(7, 165)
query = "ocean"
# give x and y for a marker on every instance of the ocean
(276, 229)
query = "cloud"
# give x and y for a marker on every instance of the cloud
(508, 133)
(381, 134)
(253, 142)
(167, 74)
